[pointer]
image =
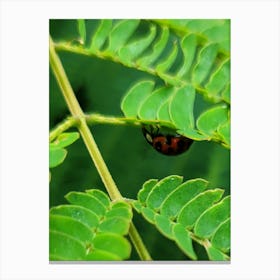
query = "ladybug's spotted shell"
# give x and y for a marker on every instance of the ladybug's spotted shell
(170, 145)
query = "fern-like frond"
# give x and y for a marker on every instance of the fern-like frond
(187, 212)
(91, 227)
(176, 106)
(199, 54)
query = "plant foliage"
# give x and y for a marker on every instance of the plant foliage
(188, 211)
(57, 153)
(90, 228)
(184, 59)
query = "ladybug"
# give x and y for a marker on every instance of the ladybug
(168, 144)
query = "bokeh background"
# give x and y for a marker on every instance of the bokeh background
(99, 86)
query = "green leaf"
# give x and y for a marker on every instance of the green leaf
(163, 111)
(150, 107)
(78, 213)
(196, 206)
(220, 34)
(181, 108)
(112, 243)
(210, 220)
(146, 188)
(161, 190)
(123, 212)
(209, 121)
(205, 62)
(180, 196)
(215, 254)
(184, 241)
(221, 237)
(87, 201)
(65, 247)
(71, 227)
(131, 51)
(164, 225)
(101, 34)
(219, 79)
(65, 139)
(158, 48)
(188, 45)
(56, 156)
(101, 196)
(135, 96)
(224, 132)
(117, 225)
(121, 33)
(168, 61)
(201, 25)
(94, 227)
(100, 255)
(226, 94)
(175, 208)
(82, 29)
(148, 214)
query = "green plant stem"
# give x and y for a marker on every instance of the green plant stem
(89, 141)
(100, 119)
(169, 78)
(138, 243)
(63, 126)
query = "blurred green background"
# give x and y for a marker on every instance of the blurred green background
(99, 86)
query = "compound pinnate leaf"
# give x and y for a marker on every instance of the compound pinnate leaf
(210, 220)
(175, 208)
(92, 225)
(135, 97)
